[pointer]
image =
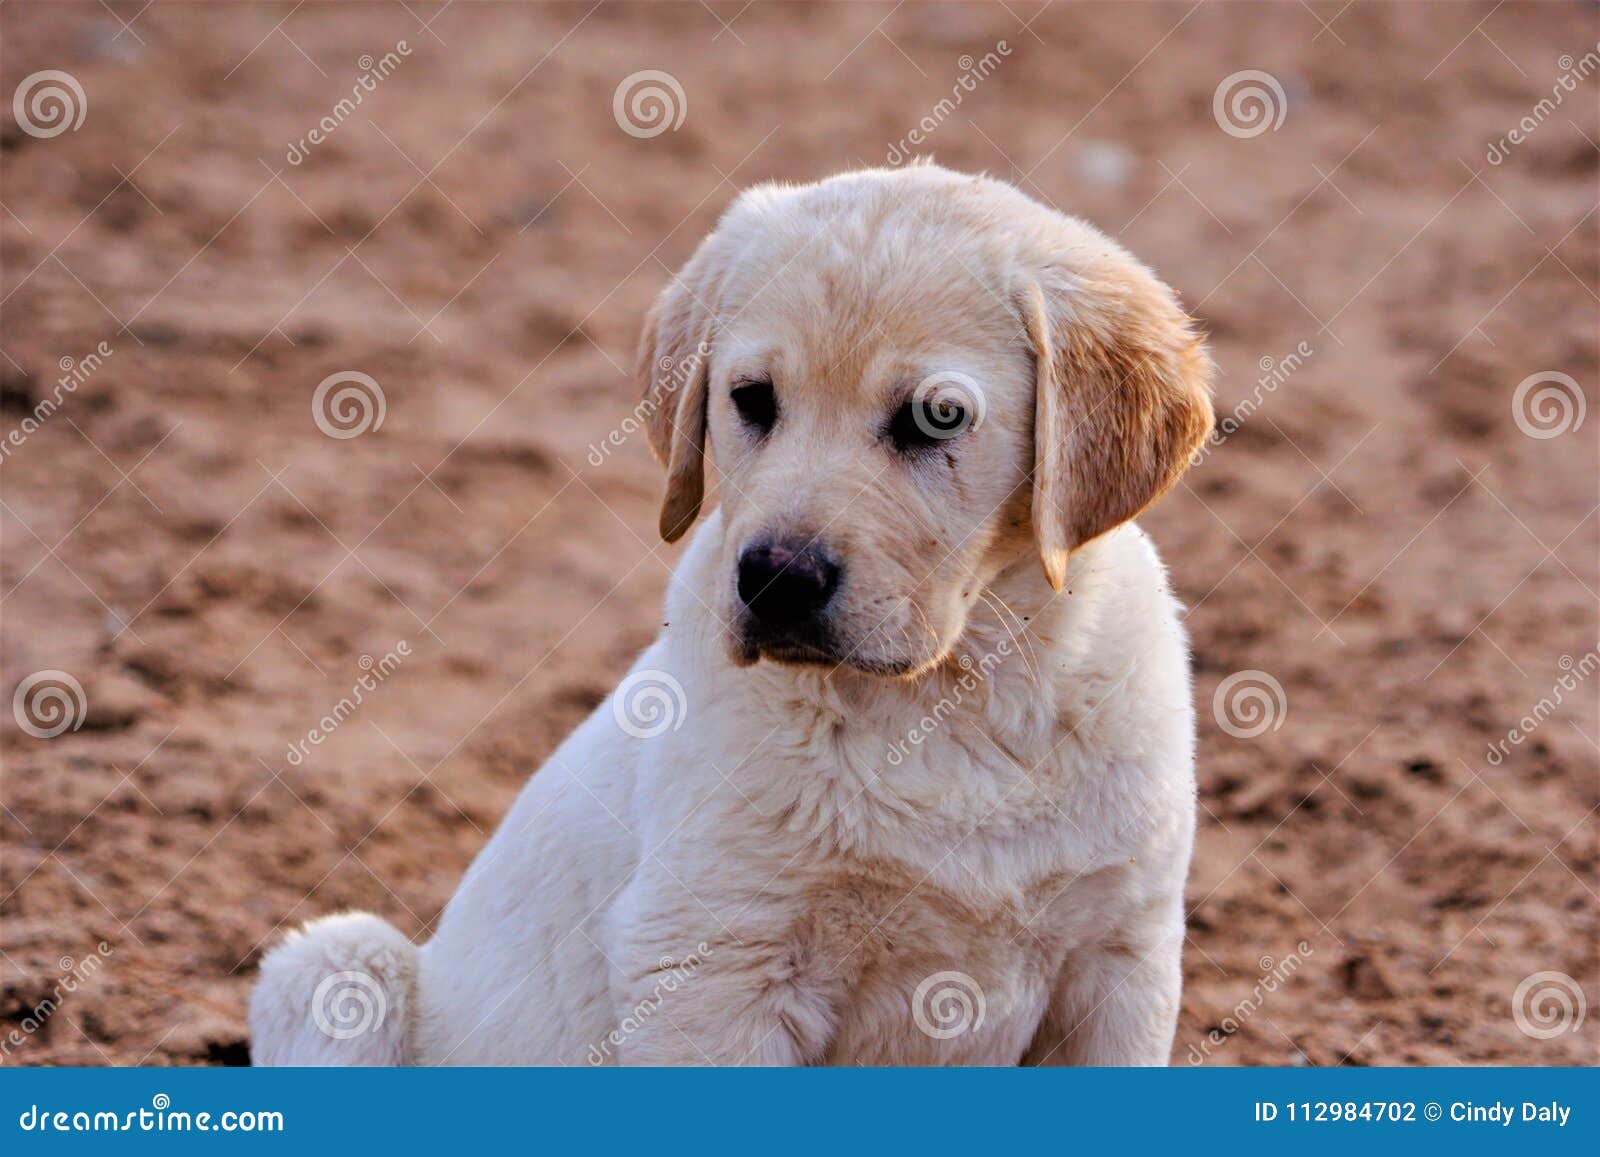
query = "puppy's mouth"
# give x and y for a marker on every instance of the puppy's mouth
(815, 649)
(801, 644)
(798, 654)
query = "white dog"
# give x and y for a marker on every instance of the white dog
(885, 790)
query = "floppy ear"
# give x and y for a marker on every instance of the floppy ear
(674, 355)
(1123, 400)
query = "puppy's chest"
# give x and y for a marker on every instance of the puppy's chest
(916, 975)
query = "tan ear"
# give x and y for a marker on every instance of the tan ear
(1123, 400)
(673, 369)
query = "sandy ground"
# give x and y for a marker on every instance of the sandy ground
(1380, 537)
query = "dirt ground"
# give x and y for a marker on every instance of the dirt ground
(1395, 535)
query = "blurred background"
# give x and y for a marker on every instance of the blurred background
(316, 319)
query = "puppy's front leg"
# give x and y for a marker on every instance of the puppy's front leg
(1116, 1003)
(727, 1004)
(715, 976)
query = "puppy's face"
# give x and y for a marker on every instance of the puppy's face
(902, 383)
(871, 426)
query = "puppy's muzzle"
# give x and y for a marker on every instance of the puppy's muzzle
(786, 587)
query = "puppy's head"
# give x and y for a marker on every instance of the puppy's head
(901, 383)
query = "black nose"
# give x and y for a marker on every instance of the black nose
(786, 584)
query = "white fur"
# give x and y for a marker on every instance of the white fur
(622, 852)
(978, 861)
(336, 992)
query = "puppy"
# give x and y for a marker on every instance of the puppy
(907, 777)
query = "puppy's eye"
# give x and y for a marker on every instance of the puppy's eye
(756, 403)
(927, 421)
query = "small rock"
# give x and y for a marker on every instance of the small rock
(1366, 977)
(17, 393)
(1105, 164)
(1424, 768)
(117, 701)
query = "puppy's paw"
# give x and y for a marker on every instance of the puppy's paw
(337, 992)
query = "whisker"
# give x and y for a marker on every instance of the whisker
(996, 604)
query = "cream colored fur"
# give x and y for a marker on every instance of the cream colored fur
(983, 804)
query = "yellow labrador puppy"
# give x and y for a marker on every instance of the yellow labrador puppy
(907, 777)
